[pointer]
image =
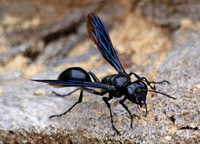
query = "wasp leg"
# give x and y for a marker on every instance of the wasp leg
(149, 82)
(160, 82)
(103, 92)
(94, 77)
(122, 103)
(142, 78)
(79, 101)
(105, 99)
(60, 95)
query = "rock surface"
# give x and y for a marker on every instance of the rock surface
(42, 46)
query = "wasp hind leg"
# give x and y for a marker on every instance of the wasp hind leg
(79, 101)
(60, 95)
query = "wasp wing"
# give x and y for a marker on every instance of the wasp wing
(72, 83)
(99, 35)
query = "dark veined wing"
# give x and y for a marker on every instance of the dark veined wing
(99, 35)
(72, 83)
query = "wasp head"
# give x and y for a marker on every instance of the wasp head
(136, 92)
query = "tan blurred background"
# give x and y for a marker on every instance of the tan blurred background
(35, 34)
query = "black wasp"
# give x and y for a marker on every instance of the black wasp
(116, 85)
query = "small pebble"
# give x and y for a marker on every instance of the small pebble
(40, 92)
(168, 137)
(198, 86)
(1, 91)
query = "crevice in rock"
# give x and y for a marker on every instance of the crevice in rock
(172, 119)
(188, 128)
(72, 28)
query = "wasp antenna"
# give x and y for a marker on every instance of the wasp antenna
(160, 93)
(145, 108)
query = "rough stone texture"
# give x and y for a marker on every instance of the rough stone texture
(150, 50)
(171, 13)
(181, 67)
